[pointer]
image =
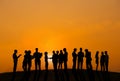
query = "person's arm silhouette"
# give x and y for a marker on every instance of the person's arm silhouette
(19, 55)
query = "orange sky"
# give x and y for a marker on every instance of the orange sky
(54, 24)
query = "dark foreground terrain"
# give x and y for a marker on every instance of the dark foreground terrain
(62, 75)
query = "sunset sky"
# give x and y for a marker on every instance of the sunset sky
(55, 24)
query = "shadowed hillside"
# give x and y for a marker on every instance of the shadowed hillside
(60, 76)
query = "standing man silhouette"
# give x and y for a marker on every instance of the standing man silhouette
(46, 61)
(57, 56)
(106, 60)
(25, 60)
(15, 60)
(74, 55)
(37, 55)
(65, 58)
(60, 59)
(102, 61)
(97, 60)
(80, 59)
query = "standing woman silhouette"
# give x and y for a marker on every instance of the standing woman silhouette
(97, 60)
(46, 61)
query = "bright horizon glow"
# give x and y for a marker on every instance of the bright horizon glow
(49, 57)
(54, 24)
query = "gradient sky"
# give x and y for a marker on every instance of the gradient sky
(54, 24)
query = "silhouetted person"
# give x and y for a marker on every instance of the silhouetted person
(97, 60)
(65, 57)
(80, 59)
(30, 57)
(60, 59)
(102, 61)
(88, 59)
(57, 54)
(25, 60)
(74, 55)
(15, 60)
(37, 55)
(46, 61)
(106, 60)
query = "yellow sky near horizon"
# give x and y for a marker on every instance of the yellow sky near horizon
(55, 24)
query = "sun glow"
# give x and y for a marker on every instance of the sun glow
(50, 57)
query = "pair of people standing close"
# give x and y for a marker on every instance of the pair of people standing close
(80, 56)
(27, 62)
(104, 60)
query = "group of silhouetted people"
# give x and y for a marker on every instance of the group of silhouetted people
(104, 60)
(27, 61)
(80, 56)
(78, 59)
(60, 58)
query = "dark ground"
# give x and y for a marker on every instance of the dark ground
(62, 76)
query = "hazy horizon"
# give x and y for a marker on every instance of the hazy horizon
(55, 24)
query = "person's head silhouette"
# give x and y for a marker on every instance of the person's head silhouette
(36, 49)
(29, 51)
(61, 51)
(75, 49)
(15, 51)
(57, 52)
(86, 50)
(102, 53)
(53, 52)
(25, 51)
(80, 49)
(97, 52)
(46, 53)
(64, 49)
(105, 52)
